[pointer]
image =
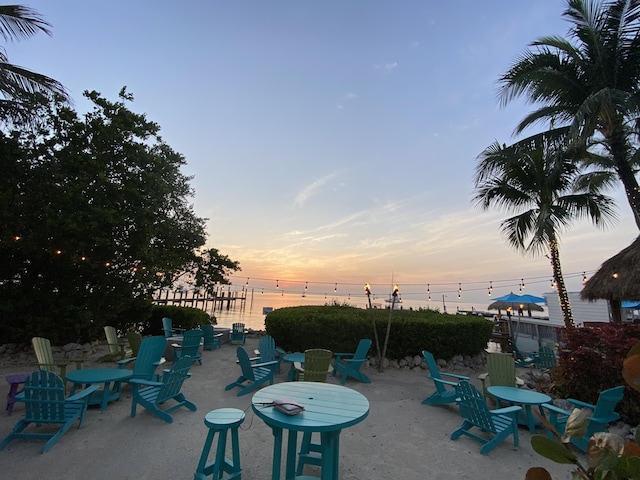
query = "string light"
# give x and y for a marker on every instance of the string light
(306, 286)
(277, 285)
(247, 282)
(615, 275)
(490, 288)
(459, 290)
(584, 278)
(335, 289)
(522, 284)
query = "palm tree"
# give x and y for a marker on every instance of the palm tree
(536, 179)
(592, 84)
(17, 84)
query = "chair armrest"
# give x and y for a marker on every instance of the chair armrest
(519, 382)
(160, 362)
(298, 366)
(453, 375)
(554, 409)
(483, 376)
(580, 404)
(340, 356)
(445, 382)
(82, 393)
(122, 363)
(604, 420)
(141, 381)
(265, 364)
(506, 410)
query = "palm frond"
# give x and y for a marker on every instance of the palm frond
(18, 22)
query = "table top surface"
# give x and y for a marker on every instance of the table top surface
(327, 407)
(98, 375)
(519, 395)
(294, 357)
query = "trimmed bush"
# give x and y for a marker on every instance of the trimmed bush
(339, 328)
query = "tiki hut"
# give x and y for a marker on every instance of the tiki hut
(617, 279)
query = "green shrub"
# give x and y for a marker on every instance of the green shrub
(340, 327)
(591, 361)
(182, 317)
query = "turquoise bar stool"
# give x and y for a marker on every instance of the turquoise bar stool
(221, 421)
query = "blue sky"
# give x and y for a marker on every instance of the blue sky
(330, 141)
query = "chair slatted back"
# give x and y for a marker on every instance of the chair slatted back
(607, 402)
(191, 343)
(473, 406)
(44, 397)
(135, 340)
(434, 371)
(267, 348)
(208, 337)
(245, 364)
(546, 358)
(237, 333)
(150, 353)
(167, 327)
(42, 347)
(173, 379)
(112, 339)
(316, 364)
(363, 348)
(502, 369)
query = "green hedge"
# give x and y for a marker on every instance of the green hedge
(339, 328)
(183, 317)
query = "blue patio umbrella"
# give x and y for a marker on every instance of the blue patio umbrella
(632, 304)
(515, 302)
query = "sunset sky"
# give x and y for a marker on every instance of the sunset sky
(331, 142)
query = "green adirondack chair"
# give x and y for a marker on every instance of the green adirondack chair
(238, 335)
(190, 346)
(502, 372)
(348, 364)
(148, 360)
(210, 338)
(445, 389)
(497, 424)
(45, 404)
(253, 374)
(603, 414)
(152, 395)
(316, 367)
(134, 339)
(116, 347)
(42, 348)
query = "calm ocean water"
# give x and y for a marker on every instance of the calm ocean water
(250, 312)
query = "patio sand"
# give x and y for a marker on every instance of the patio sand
(400, 439)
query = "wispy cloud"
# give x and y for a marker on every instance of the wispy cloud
(387, 67)
(350, 96)
(311, 189)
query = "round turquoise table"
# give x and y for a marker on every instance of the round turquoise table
(328, 409)
(526, 398)
(291, 358)
(91, 376)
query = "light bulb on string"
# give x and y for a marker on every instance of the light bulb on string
(584, 278)
(459, 290)
(522, 284)
(335, 289)
(277, 285)
(247, 282)
(306, 286)
(490, 289)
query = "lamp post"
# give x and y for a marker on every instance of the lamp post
(394, 296)
(367, 291)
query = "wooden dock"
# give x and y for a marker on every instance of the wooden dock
(200, 299)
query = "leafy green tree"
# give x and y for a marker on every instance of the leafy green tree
(96, 217)
(536, 179)
(17, 84)
(590, 81)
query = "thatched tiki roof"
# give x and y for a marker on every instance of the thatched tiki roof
(617, 279)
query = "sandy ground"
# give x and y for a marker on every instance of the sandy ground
(400, 439)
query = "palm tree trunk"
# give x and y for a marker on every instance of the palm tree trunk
(563, 296)
(620, 154)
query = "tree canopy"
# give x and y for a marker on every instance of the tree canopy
(96, 217)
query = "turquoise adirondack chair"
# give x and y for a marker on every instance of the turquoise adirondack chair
(267, 351)
(603, 414)
(210, 338)
(545, 358)
(153, 395)
(238, 336)
(190, 346)
(502, 372)
(255, 374)
(148, 359)
(499, 423)
(45, 404)
(348, 364)
(522, 359)
(445, 389)
(169, 331)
